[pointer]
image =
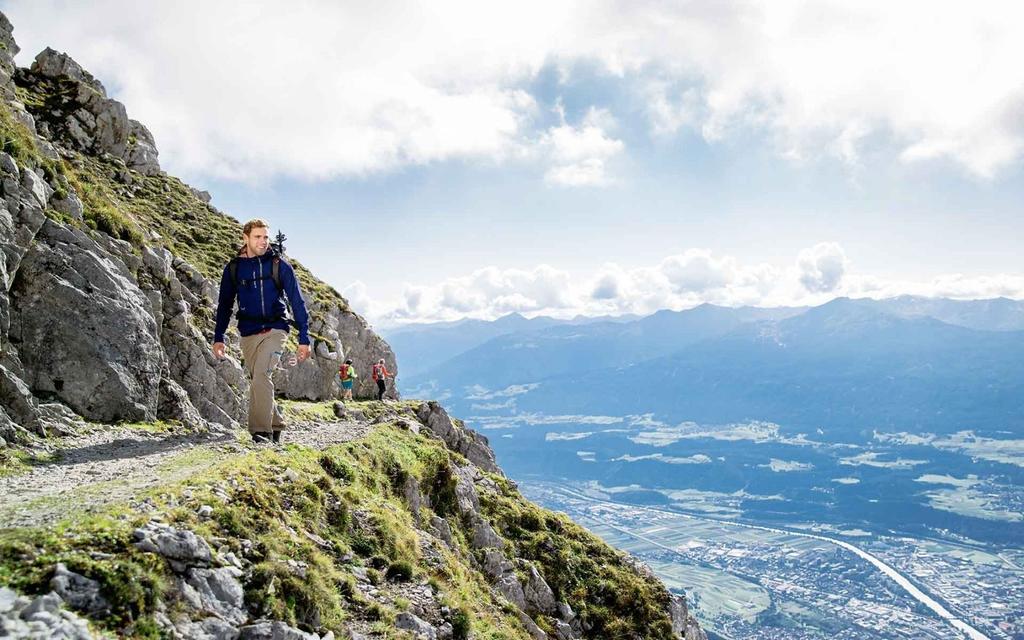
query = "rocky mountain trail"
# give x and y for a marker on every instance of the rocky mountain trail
(102, 466)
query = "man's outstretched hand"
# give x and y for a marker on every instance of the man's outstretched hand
(303, 352)
(218, 350)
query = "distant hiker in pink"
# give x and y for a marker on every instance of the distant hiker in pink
(381, 374)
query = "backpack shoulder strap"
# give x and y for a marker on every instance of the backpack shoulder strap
(275, 273)
(233, 271)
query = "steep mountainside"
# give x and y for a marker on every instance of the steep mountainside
(110, 269)
(131, 505)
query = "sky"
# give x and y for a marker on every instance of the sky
(441, 160)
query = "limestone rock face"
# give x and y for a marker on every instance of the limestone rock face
(176, 290)
(467, 442)
(347, 336)
(8, 50)
(119, 332)
(684, 624)
(86, 119)
(141, 154)
(503, 576)
(84, 330)
(539, 597)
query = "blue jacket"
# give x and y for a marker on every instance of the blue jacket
(260, 304)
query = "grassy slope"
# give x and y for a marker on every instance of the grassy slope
(350, 496)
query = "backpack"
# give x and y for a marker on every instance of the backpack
(275, 275)
(346, 372)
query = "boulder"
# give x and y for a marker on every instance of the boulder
(420, 629)
(484, 535)
(79, 592)
(466, 498)
(211, 628)
(440, 528)
(83, 328)
(182, 548)
(273, 631)
(503, 576)
(141, 154)
(215, 591)
(42, 617)
(465, 441)
(538, 595)
(18, 402)
(531, 627)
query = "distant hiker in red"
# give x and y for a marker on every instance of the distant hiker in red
(381, 374)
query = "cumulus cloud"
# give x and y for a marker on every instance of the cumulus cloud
(579, 155)
(680, 281)
(318, 89)
(698, 270)
(822, 267)
(359, 298)
(607, 287)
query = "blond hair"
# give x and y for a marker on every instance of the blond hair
(255, 223)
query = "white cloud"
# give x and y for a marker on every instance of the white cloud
(681, 281)
(822, 267)
(317, 89)
(579, 155)
(698, 270)
(359, 298)
(608, 286)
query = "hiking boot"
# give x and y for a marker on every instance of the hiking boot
(277, 436)
(258, 437)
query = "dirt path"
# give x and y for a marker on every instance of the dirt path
(114, 464)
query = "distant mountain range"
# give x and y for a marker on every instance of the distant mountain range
(908, 363)
(424, 346)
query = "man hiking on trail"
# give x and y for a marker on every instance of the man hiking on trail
(260, 279)
(347, 376)
(380, 374)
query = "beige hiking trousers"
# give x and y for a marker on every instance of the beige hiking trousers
(262, 353)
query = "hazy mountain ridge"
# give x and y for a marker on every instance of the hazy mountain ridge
(423, 345)
(845, 364)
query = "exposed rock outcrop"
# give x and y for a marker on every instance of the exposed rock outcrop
(96, 309)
